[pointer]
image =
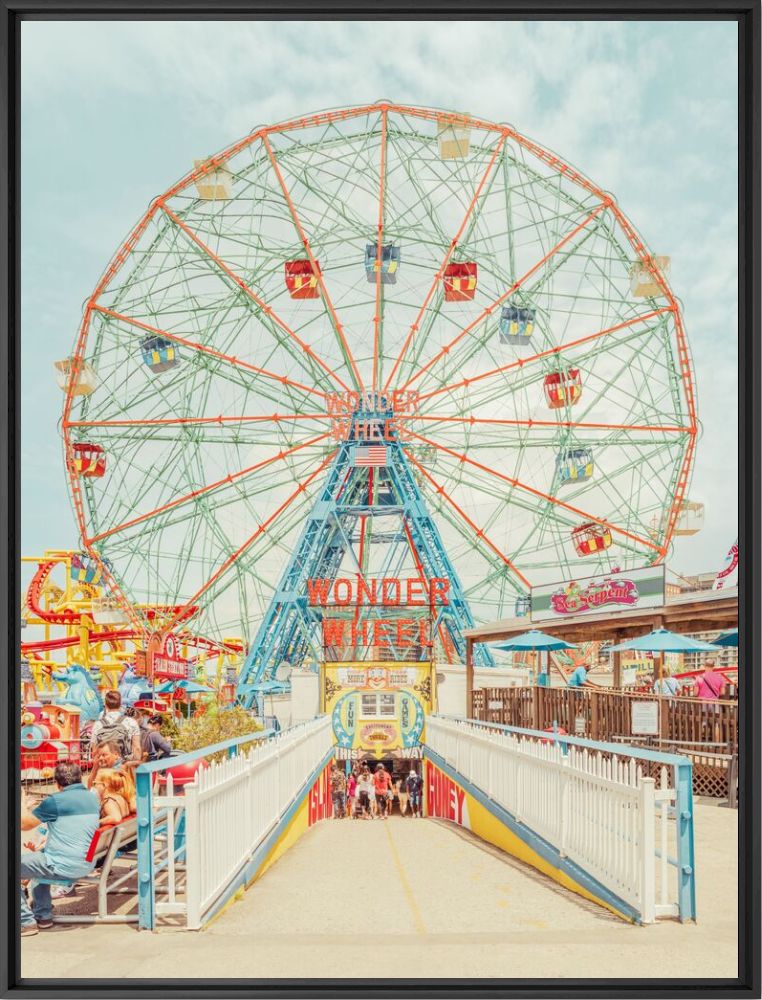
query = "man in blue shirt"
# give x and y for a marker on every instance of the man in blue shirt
(71, 815)
(578, 676)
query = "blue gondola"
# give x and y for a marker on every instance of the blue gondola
(575, 465)
(523, 606)
(388, 263)
(516, 325)
(159, 354)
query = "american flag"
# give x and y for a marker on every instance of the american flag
(372, 455)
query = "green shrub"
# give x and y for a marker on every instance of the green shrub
(215, 727)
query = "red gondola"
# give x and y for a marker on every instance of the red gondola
(302, 280)
(563, 388)
(460, 282)
(590, 538)
(88, 460)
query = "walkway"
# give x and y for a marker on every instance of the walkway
(429, 898)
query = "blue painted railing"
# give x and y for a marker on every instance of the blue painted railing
(146, 818)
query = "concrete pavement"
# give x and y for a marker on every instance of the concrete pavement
(440, 903)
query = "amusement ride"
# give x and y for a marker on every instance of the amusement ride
(367, 344)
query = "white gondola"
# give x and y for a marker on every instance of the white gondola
(215, 184)
(643, 283)
(76, 377)
(453, 137)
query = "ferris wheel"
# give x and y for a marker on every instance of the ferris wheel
(495, 303)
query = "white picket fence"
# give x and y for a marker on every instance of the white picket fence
(227, 813)
(599, 811)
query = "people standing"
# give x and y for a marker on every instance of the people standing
(382, 783)
(666, 685)
(402, 794)
(363, 793)
(579, 676)
(115, 726)
(338, 791)
(351, 794)
(372, 795)
(709, 686)
(414, 788)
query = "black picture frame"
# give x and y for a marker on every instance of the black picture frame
(747, 14)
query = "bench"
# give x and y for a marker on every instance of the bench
(104, 847)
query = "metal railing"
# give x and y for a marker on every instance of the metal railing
(624, 815)
(195, 839)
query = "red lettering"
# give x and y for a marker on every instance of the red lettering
(411, 587)
(359, 633)
(461, 796)
(317, 591)
(439, 590)
(364, 591)
(390, 429)
(423, 634)
(346, 586)
(333, 631)
(380, 637)
(405, 626)
(390, 583)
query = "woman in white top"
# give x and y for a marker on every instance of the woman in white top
(372, 798)
(363, 785)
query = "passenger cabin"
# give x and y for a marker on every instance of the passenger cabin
(85, 570)
(516, 324)
(426, 455)
(563, 388)
(215, 183)
(387, 262)
(302, 279)
(574, 465)
(523, 606)
(453, 137)
(159, 354)
(76, 377)
(643, 283)
(108, 611)
(460, 282)
(690, 520)
(88, 460)
(590, 538)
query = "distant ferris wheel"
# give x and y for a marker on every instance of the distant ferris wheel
(494, 299)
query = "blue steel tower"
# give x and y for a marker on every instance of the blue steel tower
(370, 501)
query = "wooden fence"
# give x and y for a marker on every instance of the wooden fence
(705, 731)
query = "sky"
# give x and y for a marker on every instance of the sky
(113, 113)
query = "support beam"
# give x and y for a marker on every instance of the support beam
(469, 677)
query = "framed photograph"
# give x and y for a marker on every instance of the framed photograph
(381, 499)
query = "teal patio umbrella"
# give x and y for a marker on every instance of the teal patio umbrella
(663, 641)
(728, 639)
(536, 640)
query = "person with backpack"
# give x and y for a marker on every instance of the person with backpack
(115, 726)
(414, 785)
